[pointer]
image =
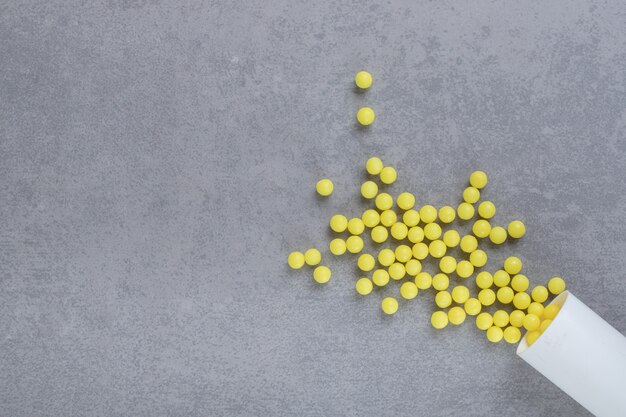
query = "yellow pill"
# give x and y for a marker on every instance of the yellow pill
(472, 306)
(406, 201)
(389, 305)
(464, 269)
(364, 286)
(478, 258)
(437, 248)
(512, 265)
(460, 294)
(539, 293)
(500, 318)
(487, 297)
(337, 247)
(428, 214)
(484, 321)
(370, 218)
(423, 280)
(399, 231)
(386, 257)
(439, 319)
(536, 309)
(484, 280)
(432, 231)
(451, 238)
(321, 274)
(447, 214)
(366, 262)
(516, 229)
(501, 278)
(354, 244)
(369, 189)
(516, 318)
(295, 260)
(324, 187)
(497, 235)
(456, 315)
(416, 234)
(469, 244)
(486, 209)
(512, 334)
(420, 250)
(544, 325)
(411, 218)
(356, 226)
(338, 223)
(388, 175)
(408, 290)
(520, 283)
(447, 264)
(531, 337)
(383, 201)
(550, 312)
(374, 165)
(388, 218)
(556, 285)
(478, 179)
(443, 299)
(413, 267)
(397, 271)
(365, 116)
(494, 334)
(440, 282)
(531, 322)
(505, 295)
(379, 234)
(312, 257)
(465, 211)
(380, 277)
(363, 79)
(481, 228)
(471, 195)
(521, 300)
(403, 253)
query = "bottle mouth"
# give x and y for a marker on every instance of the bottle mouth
(559, 301)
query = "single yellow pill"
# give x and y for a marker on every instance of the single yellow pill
(411, 218)
(439, 319)
(531, 337)
(423, 280)
(465, 211)
(539, 293)
(516, 229)
(451, 238)
(388, 175)
(460, 294)
(469, 244)
(440, 282)
(312, 257)
(406, 201)
(432, 231)
(494, 334)
(481, 228)
(556, 285)
(295, 260)
(471, 195)
(413, 267)
(505, 295)
(487, 297)
(456, 315)
(486, 209)
(397, 271)
(521, 300)
(428, 214)
(501, 278)
(536, 309)
(447, 264)
(365, 116)
(484, 321)
(531, 322)
(437, 248)
(354, 244)
(420, 250)
(512, 334)
(321, 274)
(416, 234)
(512, 265)
(380, 277)
(500, 318)
(386, 257)
(337, 247)
(497, 235)
(544, 325)
(363, 79)
(520, 283)
(389, 305)
(550, 312)
(324, 187)
(447, 214)
(379, 234)
(403, 253)
(364, 286)
(338, 223)
(383, 201)
(408, 290)
(478, 179)
(464, 269)
(374, 165)
(472, 306)
(484, 280)
(369, 189)
(366, 262)
(356, 226)
(388, 218)
(516, 318)
(443, 299)
(370, 218)
(399, 231)
(478, 258)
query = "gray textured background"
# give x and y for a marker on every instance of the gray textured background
(157, 164)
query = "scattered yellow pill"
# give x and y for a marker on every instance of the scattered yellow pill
(505, 295)
(413, 267)
(460, 294)
(399, 231)
(512, 265)
(380, 277)
(432, 231)
(487, 297)
(544, 325)
(437, 248)
(420, 250)
(403, 253)
(494, 334)
(531, 337)
(406, 201)
(295, 260)
(481, 228)
(363, 79)
(443, 299)
(501, 278)
(321, 274)
(484, 321)
(365, 116)
(338, 223)
(516, 229)
(472, 306)
(531, 322)
(411, 218)
(486, 209)
(366, 262)
(386, 257)
(408, 290)
(439, 319)
(497, 235)
(556, 285)
(456, 315)
(516, 318)
(388, 218)
(440, 282)
(471, 195)
(423, 280)
(369, 189)
(428, 214)
(379, 234)
(389, 305)
(447, 214)
(536, 309)
(465, 211)
(520, 283)
(464, 269)
(447, 264)
(374, 165)
(484, 280)
(416, 234)
(478, 179)
(356, 226)
(337, 247)
(539, 293)
(364, 286)
(324, 187)
(521, 300)
(478, 258)
(354, 244)
(370, 218)
(383, 201)
(500, 318)
(469, 244)
(397, 271)
(512, 334)
(451, 238)
(388, 175)
(550, 312)
(312, 257)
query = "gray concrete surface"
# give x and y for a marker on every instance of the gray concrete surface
(157, 165)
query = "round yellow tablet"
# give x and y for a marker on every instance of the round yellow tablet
(505, 295)
(484, 280)
(420, 250)
(536, 309)
(550, 312)
(324, 187)
(389, 305)
(440, 282)
(478, 179)
(370, 218)
(544, 325)
(428, 214)
(501, 278)
(363, 79)
(379, 234)
(484, 321)
(439, 319)
(465, 211)
(512, 334)
(521, 300)
(471, 195)
(486, 209)
(472, 306)
(354, 244)
(469, 244)
(388, 175)
(415, 234)
(337, 247)
(364, 286)
(531, 337)
(365, 116)
(500, 318)
(456, 315)
(388, 218)
(369, 189)
(380, 277)
(481, 228)
(447, 214)
(403, 253)
(512, 265)
(406, 201)
(443, 299)
(411, 218)
(531, 322)
(556, 285)
(516, 318)
(520, 282)
(487, 297)
(497, 235)
(478, 258)
(366, 262)
(423, 280)
(516, 229)
(464, 269)
(356, 226)
(460, 294)
(295, 260)
(447, 264)
(408, 290)
(494, 334)
(437, 248)
(399, 231)
(321, 274)
(312, 257)
(397, 271)
(386, 257)
(374, 165)
(451, 238)
(338, 223)
(413, 267)
(384, 201)
(432, 231)
(539, 293)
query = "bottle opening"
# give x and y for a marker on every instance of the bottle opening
(558, 301)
